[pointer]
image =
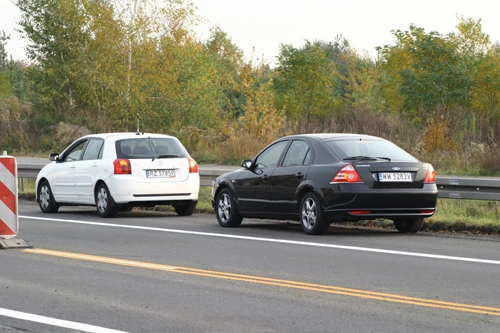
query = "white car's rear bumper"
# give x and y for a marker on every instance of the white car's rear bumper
(125, 189)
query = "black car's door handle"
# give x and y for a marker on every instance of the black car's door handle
(265, 178)
(299, 175)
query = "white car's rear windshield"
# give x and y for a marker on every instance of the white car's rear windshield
(369, 148)
(138, 148)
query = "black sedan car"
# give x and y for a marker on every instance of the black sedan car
(323, 178)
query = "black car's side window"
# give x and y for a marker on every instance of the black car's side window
(75, 152)
(297, 153)
(93, 150)
(309, 157)
(271, 156)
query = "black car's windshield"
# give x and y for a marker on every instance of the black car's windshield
(151, 148)
(368, 150)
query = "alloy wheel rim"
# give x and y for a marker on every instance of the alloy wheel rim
(309, 215)
(224, 207)
(102, 200)
(44, 197)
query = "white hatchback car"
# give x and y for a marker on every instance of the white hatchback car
(119, 171)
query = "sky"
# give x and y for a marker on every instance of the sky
(259, 27)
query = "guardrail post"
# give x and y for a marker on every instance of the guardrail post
(21, 184)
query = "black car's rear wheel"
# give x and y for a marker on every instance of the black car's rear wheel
(46, 199)
(226, 210)
(312, 219)
(409, 225)
(104, 201)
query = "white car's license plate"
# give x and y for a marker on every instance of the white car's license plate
(394, 177)
(162, 173)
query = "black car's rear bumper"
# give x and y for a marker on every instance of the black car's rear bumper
(379, 203)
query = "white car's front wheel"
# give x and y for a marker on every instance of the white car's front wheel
(46, 199)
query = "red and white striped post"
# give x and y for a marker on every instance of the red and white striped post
(9, 220)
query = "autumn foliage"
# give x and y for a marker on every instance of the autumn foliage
(97, 64)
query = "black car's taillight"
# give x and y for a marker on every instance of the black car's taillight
(430, 177)
(347, 175)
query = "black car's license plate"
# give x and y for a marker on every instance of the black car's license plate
(394, 177)
(160, 173)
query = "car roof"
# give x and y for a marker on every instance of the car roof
(127, 135)
(335, 136)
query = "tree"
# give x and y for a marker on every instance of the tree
(430, 71)
(3, 52)
(306, 82)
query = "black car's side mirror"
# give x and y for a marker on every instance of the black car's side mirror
(246, 164)
(54, 157)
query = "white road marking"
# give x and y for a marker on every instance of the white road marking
(56, 322)
(273, 240)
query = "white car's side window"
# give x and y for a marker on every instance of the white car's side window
(93, 150)
(75, 153)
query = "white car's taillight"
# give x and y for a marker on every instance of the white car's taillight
(122, 166)
(193, 166)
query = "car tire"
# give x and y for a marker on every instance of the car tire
(409, 225)
(185, 210)
(46, 199)
(226, 210)
(104, 201)
(312, 218)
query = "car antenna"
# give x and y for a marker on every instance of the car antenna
(137, 117)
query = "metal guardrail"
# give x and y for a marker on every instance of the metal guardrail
(450, 187)
(30, 169)
(465, 187)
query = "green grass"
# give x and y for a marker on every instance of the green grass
(204, 201)
(26, 186)
(466, 215)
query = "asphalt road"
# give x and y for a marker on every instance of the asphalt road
(156, 272)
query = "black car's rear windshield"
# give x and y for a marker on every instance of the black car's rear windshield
(376, 149)
(149, 148)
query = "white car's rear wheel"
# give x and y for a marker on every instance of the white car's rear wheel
(185, 210)
(104, 201)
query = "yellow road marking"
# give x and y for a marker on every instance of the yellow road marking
(276, 282)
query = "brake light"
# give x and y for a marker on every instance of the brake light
(347, 175)
(122, 167)
(430, 177)
(427, 211)
(193, 166)
(359, 212)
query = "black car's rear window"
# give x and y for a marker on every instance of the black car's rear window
(149, 147)
(369, 148)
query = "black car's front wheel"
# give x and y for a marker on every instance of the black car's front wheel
(312, 218)
(225, 209)
(409, 225)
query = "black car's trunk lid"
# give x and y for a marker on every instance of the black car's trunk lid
(393, 174)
